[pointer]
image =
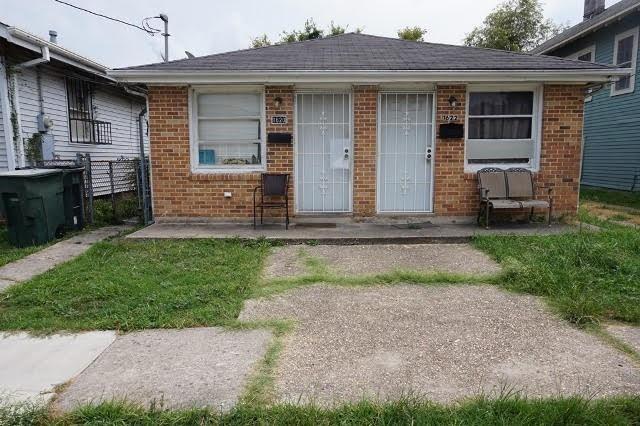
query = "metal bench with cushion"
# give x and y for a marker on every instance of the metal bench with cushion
(509, 189)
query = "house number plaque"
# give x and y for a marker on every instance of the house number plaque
(449, 118)
(279, 119)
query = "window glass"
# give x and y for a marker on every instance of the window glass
(228, 128)
(624, 58)
(500, 127)
(500, 103)
(586, 57)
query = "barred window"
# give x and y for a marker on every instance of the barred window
(83, 128)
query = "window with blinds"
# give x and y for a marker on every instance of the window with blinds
(228, 129)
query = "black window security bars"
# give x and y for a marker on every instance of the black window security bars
(83, 128)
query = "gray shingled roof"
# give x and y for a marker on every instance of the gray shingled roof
(360, 52)
(594, 22)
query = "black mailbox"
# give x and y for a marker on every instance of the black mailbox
(451, 131)
(285, 138)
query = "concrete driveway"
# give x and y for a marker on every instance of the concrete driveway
(442, 343)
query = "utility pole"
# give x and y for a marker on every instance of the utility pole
(165, 19)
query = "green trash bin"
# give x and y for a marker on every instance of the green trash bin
(73, 182)
(33, 204)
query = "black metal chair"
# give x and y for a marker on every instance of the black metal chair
(274, 194)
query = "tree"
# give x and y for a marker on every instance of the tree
(412, 33)
(515, 25)
(309, 31)
(261, 41)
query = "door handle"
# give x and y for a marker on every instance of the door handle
(428, 154)
(346, 153)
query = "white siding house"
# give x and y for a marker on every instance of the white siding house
(85, 110)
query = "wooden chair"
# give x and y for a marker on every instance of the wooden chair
(274, 194)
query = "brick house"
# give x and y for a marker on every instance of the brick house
(367, 126)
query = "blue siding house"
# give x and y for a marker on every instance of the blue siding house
(611, 156)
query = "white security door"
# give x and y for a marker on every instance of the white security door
(405, 152)
(323, 153)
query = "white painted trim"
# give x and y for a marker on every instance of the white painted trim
(589, 29)
(29, 41)
(240, 169)
(362, 77)
(6, 116)
(635, 32)
(536, 124)
(589, 49)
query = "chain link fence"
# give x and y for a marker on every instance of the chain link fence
(112, 188)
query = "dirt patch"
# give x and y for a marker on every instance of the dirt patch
(187, 368)
(620, 214)
(442, 343)
(290, 261)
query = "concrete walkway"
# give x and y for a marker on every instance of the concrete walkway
(45, 259)
(194, 367)
(31, 367)
(346, 233)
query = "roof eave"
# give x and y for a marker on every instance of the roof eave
(587, 30)
(29, 41)
(362, 77)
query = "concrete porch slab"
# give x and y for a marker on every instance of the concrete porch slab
(345, 233)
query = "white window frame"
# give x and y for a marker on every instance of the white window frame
(590, 49)
(536, 125)
(634, 60)
(193, 131)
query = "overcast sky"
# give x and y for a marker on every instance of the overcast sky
(212, 26)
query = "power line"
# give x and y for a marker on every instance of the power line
(146, 28)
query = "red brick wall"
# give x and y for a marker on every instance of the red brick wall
(456, 192)
(180, 193)
(365, 105)
(177, 192)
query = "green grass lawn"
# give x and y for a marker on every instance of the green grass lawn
(606, 196)
(9, 253)
(504, 411)
(588, 276)
(127, 285)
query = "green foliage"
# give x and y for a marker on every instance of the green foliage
(515, 25)
(33, 148)
(587, 276)
(126, 208)
(261, 41)
(610, 196)
(309, 31)
(128, 285)
(9, 253)
(507, 410)
(412, 33)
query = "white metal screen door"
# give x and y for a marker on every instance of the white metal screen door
(323, 154)
(405, 152)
